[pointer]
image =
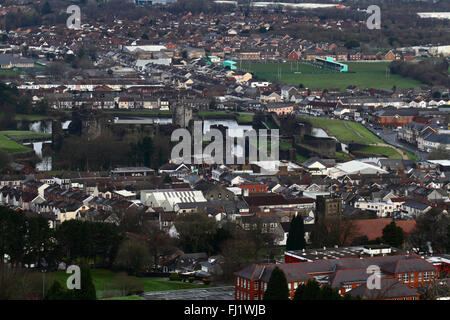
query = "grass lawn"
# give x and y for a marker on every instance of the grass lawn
(11, 146)
(213, 113)
(140, 112)
(342, 156)
(411, 156)
(102, 279)
(362, 74)
(19, 135)
(363, 131)
(391, 153)
(245, 118)
(133, 297)
(31, 117)
(285, 145)
(300, 158)
(344, 131)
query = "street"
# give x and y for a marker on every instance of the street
(391, 137)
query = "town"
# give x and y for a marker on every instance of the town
(340, 175)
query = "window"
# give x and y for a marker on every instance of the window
(426, 276)
(256, 285)
(405, 277)
(290, 286)
(411, 277)
(255, 297)
(420, 276)
(295, 285)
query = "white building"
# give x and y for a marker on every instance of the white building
(353, 167)
(168, 198)
(382, 209)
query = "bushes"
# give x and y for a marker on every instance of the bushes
(174, 277)
(206, 281)
(191, 279)
(429, 72)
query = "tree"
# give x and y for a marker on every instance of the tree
(5, 159)
(160, 244)
(312, 290)
(244, 247)
(39, 246)
(46, 8)
(87, 290)
(196, 231)
(431, 228)
(57, 292)
(277, 288)
(393, 235)
(94, 240)
(350, 44)
(333, 231)
(296, 236)
(12, 236)
(133, 256)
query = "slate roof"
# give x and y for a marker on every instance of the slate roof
(390, 288)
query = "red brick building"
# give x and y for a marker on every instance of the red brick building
(293, 55)
(391, 117)
(254, 187)
(403, 273)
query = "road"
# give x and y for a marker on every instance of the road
(213, 293)
(391, 137)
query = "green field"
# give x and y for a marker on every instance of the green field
(133, 297)
(11, 146)
(342, 156)
(19, 135)
(361, 74)
(344, 131)
(139, 112)
(104, 278)
(213, 113)
(245, 118)
(31, 117)
(391, 153)
(300, 158)
(411, 156)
